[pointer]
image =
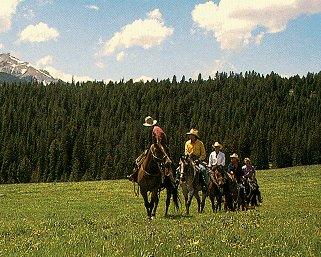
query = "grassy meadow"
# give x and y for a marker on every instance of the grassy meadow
(105, 218)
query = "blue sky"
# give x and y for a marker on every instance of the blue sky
(145, 39)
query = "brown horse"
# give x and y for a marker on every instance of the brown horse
(215, 189)
(234, 195)
(253, 194)
(191, 184)
(150, 178)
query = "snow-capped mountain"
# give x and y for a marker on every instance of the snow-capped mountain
(23, 70)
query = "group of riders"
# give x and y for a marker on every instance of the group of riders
(195, 150)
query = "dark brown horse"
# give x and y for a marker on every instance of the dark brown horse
(234, 195)
(252, 192)
(191, 184)
(151, 174)
(215, 189)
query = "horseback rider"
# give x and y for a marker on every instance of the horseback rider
(216, 161)
(235, 167)
(249, 174)
(159, 139)
(194, 147)
(217, 158)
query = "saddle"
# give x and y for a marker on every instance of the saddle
(140, 159)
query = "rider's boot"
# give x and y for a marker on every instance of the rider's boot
(134, 175)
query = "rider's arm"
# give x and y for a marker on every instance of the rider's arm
(203, 152)
(188, 148)
(222, 159)
(211, 160)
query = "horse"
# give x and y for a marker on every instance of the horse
(234, 194)
(191, 184)
(171, 189)
(252, 192)
(215, 189)
(150, 178)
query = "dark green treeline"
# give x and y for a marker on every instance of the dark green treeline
(93, 130)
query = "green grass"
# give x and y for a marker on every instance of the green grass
(105, 218)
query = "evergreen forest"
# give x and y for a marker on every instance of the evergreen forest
(93, 130)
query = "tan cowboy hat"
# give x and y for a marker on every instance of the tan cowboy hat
(247, 159)
(193, 132)
(234, 155)
(149, 121)
(217, 144)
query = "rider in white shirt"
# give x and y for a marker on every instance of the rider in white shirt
(217, 158)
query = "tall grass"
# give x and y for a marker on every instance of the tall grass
(105, 218)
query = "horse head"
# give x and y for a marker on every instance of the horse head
(187, 167)
(219, 177)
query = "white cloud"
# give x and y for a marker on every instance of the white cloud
(44, 61)
(143, 78)
(44, 2)
(92, 7)
(38, 33)
(259, 38)
(145, 33)
(8, 8)
(232, 22)
(100, 65)
(222, 65)
(65, 76)
(29, 14)
(1, 46)
(121, 56)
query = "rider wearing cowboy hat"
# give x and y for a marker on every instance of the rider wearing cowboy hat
(194, 147)
(217, 158)
(158, 134)
(235, 167)
(158, 138)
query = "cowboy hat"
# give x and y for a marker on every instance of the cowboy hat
(193, 132)
(234, 155)
(149, 121)
(217, 144)
(247, 159)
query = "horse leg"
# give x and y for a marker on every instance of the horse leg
(212, 196)
(154, 203)
(219, 202)
(187, 203)
(198, 199)
(168, 199)
(147, 203)
(204, 195)
(218, 196)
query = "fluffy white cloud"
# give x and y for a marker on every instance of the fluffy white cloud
(44, 61)
(143, 78)
(7, 9)
(235, 23)
(222, 65)
(121, 56)
(38, 33)
(145, 33)
(100, 65)
(65, 76)
(92, 7)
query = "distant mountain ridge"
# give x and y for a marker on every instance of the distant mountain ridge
(11, 68)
